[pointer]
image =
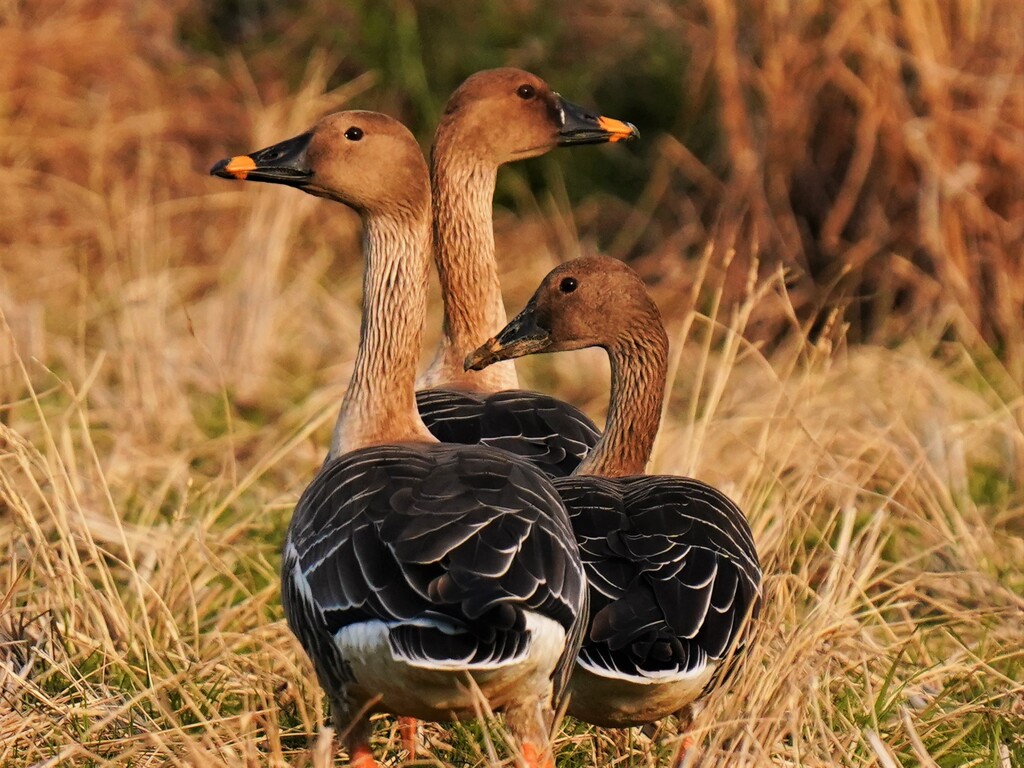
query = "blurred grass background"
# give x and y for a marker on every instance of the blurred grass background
(827, 202)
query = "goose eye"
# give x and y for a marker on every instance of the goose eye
(526, 91)
(354, 133)
(568, 285)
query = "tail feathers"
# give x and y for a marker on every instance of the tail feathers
(433, 647)
(659, 662)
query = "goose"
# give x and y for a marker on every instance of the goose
(671, 564)
(416, 575)
(495, 117)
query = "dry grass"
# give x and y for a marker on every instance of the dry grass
(874, 148)
(173, 351)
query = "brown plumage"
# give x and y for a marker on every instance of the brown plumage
(495, 117)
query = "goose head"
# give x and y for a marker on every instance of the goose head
(501, 115)
(365, 160)
(595, 301)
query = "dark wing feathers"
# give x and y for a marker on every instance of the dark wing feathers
(454, 542)
(550, 433)
(672, 571)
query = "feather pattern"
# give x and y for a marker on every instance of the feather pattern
(548, 432)
(672, 570)
(450, 547)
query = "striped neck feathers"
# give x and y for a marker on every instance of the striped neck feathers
(639, 366)
(380, 404)
(463, 188)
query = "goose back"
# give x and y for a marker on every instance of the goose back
(452, 549)
(546, 431)
(673, 574)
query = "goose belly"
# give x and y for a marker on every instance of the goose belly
(621, 702)
(444, 691)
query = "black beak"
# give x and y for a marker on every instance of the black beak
(282, 163)
(581, 126)
(522, 336)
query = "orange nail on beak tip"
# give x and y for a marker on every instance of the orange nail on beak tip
(619, 130)
(239, 166)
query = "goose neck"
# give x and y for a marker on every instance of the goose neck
(639, 368)
(379, 405)
(463, 230)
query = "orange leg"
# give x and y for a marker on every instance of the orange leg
(409, 728)
(362, 757)
(536, 757)
(358, 742)
(687, 747)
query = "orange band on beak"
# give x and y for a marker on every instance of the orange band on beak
(239, 166)
(619, 130)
